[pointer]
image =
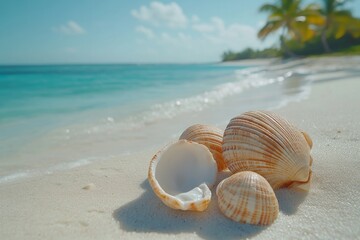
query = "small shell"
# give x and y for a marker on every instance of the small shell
(181, 173)
(209, 136)
(266, 143)
(247, 197)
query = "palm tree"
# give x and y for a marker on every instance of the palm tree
(293, 21)
(354, 27)
(337, 20)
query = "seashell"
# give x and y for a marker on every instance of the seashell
(308, 139)
(209, 136)
(304, 186)
(266, 143)
(181, 174)
(247, 197)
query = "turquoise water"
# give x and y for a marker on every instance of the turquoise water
(57, 117)
(34, 91)
(36, 100)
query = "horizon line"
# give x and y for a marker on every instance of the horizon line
(104, 63)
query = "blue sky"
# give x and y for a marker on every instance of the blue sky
(119, 31)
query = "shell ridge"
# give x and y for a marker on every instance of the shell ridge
(253, 146)
(251, 130)
(264, 142)
(276, 158)
(291, 133)
(253, 201)
(276, 128)
(264, 123)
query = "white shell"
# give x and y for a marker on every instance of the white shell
(181, 175)
(209, 136)
(247, 197)
(266, 143)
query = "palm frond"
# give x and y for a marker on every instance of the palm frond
(340, 31)
(342, 19)
(269, 28)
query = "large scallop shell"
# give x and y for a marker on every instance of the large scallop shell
(181, 175)
(247, 197)
(266, 143)
(209, 136)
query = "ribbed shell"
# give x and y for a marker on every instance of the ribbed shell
(266, 143)
(198, 198)
(209, 136)
(247, 197)
(308, 139)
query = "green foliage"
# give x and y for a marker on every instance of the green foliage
(354, 50)
(293, 20)
(250, 53)
(315, 46)
(305, 31)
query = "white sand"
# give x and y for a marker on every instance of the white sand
(112, 199)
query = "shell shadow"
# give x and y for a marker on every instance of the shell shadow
(289, 200)
(148, 214)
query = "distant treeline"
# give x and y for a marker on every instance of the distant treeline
(347, 45)
(250, 53)
(314, 46)
(305, 30)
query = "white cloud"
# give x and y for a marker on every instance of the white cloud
(161, 14)
(204, 40)
(215, 24)
(234, 36)
(195, 18)
(167, 38)
(70, 28)
(179, 38)
(184, 37)
(203, 27)
(146, 31)
(214, 33)
(218, 23)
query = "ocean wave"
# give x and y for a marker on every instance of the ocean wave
(245, 80)
(50, 170)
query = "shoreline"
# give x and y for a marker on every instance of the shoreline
(66, 146)
(112, 198)
(251, 62)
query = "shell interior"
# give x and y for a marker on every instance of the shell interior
(181, 173)
(209, 136)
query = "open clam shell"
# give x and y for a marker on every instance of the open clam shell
(181, 175)
(209, 136)
(266, 143)
(247, 197)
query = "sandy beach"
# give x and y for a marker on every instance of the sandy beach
(112, 199)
